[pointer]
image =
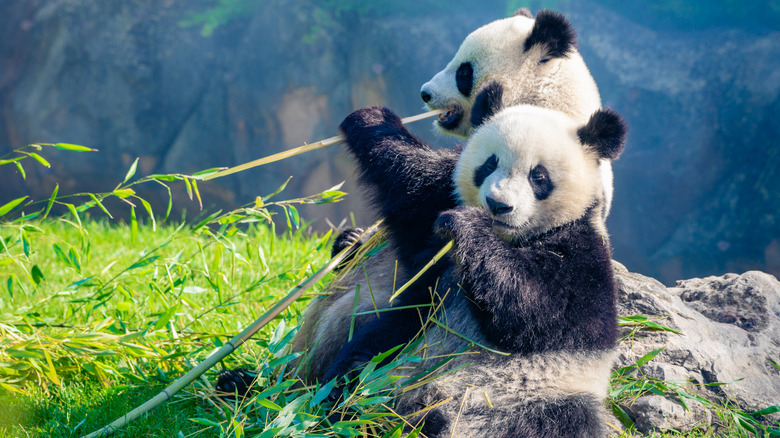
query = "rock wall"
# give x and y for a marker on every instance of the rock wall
(729, 334)
(696, 191)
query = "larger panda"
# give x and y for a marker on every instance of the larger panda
(537, 63)
(530, 274)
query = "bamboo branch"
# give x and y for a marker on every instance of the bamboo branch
(305, 148)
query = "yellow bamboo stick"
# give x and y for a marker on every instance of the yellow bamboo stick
(306, 148)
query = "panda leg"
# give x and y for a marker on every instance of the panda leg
(576, 416)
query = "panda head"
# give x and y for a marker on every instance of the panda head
(535, 59)
(532, 168)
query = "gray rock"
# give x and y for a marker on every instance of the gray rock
(729, 333)
(654, 413)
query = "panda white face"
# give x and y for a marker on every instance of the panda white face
(535, 60)
(528, 167)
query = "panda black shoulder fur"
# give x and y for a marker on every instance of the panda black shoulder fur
(529, 254)
(537, 63)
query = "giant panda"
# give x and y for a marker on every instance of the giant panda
(537, 63)
(529, 278)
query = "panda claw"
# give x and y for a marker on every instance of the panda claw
(232, 383)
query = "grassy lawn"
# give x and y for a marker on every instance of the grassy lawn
(96, 317)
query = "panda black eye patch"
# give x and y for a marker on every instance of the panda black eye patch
(464, 78)
(485, 169)
(540, 182)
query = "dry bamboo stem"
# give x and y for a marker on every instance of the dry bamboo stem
(229, 347)
(306, 148)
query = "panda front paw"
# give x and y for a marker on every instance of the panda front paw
(232, 383)
(451, 223)
(345, 239)
(370, 117)
(365, 126)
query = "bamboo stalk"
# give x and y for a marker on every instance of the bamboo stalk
(306, 148)
(229, 347)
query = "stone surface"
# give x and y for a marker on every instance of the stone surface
(730, 333)
(654, 413)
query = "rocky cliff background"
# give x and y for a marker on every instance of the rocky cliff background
(188, 85)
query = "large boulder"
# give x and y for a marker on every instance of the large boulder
(727, 350)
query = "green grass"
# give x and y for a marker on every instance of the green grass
(151, 306)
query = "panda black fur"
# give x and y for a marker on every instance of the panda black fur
(537, 63)
(532, 261)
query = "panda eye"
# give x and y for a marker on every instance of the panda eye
(540, 182)
(464, 78)
(483, 171)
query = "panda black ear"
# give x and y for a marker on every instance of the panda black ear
(605, 132)
(552, 30)
(489, 101)
(525, 12)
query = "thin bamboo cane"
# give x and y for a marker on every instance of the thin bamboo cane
(305, 148)
(229, 347)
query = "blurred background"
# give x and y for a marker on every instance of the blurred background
(190, 85)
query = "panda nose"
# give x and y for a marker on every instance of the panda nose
(498, 207)
(426, 97)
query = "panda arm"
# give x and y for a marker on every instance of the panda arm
(411, 183)
(556, 292)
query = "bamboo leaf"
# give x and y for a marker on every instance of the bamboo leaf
(648, 357)
(204, 173)
(73, 147)
(20, 169)
(11, 160)
(323, 393)
(25, 245)
(39, 159)
(622, 415)
(295, 217)
(131, 171)
(277, 191)
(123, 193)
(188, 185)
(27, 217)
(197, 193)
(767, 411)
(50, 371)
(164, 318)
(143, 262)
(37, 275)
(165, 177)
(149, 211)
(7, 207)
(74, 260)
(75, 214)
(61, 255)
(100, 204)
(133, 225)
(51, 200)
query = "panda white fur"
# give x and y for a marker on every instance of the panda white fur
(530, 273)
(537, 64)
(536, 61)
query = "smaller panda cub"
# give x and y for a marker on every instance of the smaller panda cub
(530, 275)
